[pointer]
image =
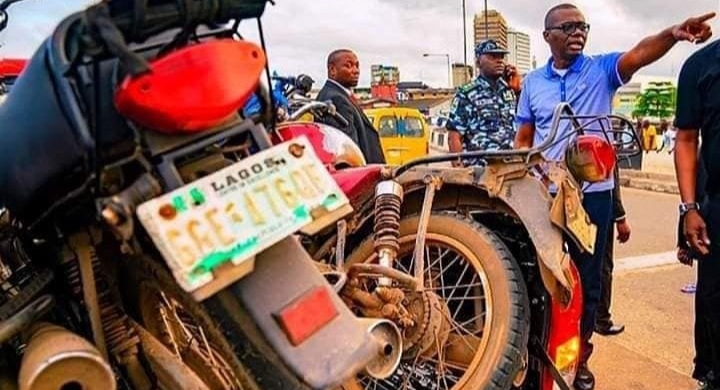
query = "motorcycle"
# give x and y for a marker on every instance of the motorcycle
(147, 236)
(469, 262)
(10, 68)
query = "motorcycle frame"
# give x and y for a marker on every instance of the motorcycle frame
(502, 186)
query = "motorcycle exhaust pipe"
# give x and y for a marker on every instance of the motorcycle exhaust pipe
(57, 359)
(390, 347)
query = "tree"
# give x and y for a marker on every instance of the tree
(658, 100)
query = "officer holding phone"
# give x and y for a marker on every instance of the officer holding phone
(483, 111)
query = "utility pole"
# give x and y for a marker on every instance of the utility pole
(487, 33)
(464, 34)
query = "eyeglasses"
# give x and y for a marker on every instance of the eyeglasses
(570, 27)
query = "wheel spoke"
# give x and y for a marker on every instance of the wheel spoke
(454, 280)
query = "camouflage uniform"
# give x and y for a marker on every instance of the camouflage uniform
(484, 116)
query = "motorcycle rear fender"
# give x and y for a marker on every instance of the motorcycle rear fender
(508, 188)
(325, 356)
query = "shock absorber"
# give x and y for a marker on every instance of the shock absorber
(388, 201)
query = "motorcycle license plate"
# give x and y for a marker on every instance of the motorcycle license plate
(237, 212)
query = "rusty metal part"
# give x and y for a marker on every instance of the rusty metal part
(431, 328)
(433, 183)
(497, 173)
(567, 212)
(56, 358)
(527, 199)
(175, 327)
(25, 317)
(390, 347)
(120, 339)
(82, 246)
(118, 210)
(379, 270)
(169, 368)
(336, 279)
(530, 200)
(340, 245)
(384, 302)
(460, 349)
(388, 204)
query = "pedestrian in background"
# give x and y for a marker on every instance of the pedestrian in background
(343, 73)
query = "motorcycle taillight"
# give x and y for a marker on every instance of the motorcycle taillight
(564, 345)
(192, 89)
(590, 158)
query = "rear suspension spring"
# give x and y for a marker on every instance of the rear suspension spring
(388, 202)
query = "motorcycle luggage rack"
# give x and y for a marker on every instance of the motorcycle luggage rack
(167, 169)
(562, 112)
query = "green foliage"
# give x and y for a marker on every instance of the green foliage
(658, 101)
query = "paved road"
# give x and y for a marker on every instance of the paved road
(656, 350)
(658, 162)
(653, 217)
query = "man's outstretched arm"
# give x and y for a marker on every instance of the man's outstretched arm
(652, 48)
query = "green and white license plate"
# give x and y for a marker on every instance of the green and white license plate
(239, 211)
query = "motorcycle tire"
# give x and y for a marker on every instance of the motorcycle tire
(143, 275)
(502, 357)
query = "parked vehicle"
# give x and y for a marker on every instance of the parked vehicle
(10, 69)
(495, 302)
(404, 133)
(146, 240)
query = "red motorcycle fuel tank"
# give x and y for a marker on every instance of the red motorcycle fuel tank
(342, 157)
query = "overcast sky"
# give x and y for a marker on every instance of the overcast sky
(300, 33)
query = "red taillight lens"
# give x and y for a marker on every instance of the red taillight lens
(564, 338)
(194, 88)
(306, 315)
(590, 158)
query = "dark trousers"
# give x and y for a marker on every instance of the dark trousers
(598, 205)
(703, 349)
(602, 316)
(707, 298)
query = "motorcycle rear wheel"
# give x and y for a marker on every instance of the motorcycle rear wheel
(504, 331)
(171, 315)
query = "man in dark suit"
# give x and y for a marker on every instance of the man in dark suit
(343, 71)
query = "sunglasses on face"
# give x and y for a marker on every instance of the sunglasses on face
(570, 27)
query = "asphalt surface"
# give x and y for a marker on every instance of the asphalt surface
(656, 350)
(653, 218)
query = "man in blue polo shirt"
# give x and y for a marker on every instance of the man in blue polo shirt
(588, 84)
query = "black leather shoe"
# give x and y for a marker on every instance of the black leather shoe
(584, 380)
(609, 330)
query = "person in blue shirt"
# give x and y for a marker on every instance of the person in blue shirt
(588, 83)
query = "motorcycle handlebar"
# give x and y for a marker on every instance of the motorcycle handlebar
(327, 108)
(4, 5)
(138, 20)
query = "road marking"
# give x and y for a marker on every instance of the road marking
(646, 261)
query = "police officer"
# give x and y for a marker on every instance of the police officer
(483, 111)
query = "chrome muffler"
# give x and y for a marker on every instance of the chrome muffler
(389, 346)
(57, 359)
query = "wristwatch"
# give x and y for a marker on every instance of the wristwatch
(685, 207)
